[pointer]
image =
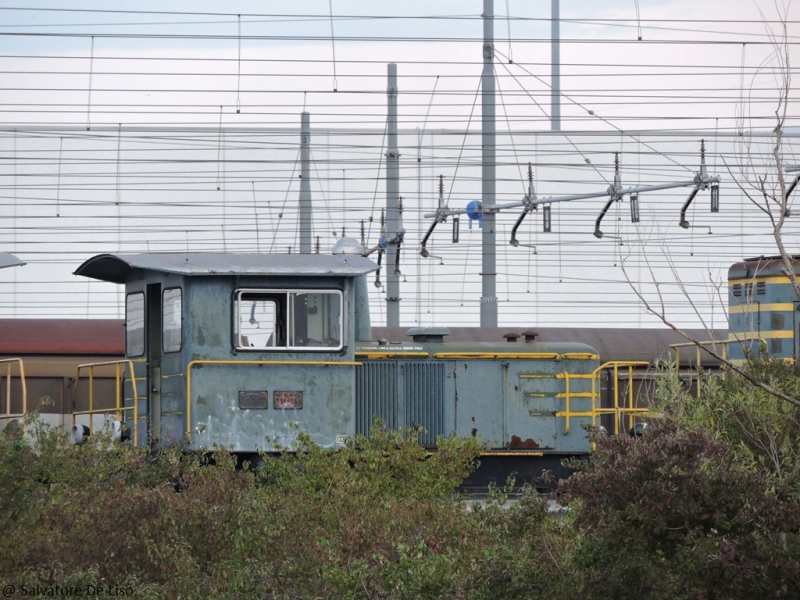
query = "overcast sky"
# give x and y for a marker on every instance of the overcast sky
(163, 126)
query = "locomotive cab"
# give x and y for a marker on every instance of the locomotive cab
(241, 351)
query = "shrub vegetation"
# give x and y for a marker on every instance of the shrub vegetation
(705, 505)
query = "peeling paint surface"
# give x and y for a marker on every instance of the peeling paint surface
(327, 407)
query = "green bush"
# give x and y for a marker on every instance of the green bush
(675, 515)
(690, 510)
(380, 518)
(761, 429)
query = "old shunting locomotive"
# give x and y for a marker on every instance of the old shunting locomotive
(245, 351)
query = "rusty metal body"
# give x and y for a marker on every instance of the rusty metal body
(248, 351)
(512, 396)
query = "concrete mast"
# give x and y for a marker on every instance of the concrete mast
(488, 175)
(305, 183)
(555, 67)
(394, 228)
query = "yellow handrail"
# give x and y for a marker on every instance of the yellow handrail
(8, 414)
(630, 411)
(596, 410)
(119, 409)
(699, 346)
(676, 348)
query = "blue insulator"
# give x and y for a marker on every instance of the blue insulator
(383, 241)
(474, 213)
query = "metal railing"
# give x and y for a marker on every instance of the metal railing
(8, 414)
(676, 348)
(699, 348)
(624, 409)
(119, 407)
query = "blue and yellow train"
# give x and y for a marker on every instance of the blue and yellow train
(763, 309)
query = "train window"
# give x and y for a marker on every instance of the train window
(134, 324)
(316, 320)
(172, 311)
(257, 321)
(289, 319)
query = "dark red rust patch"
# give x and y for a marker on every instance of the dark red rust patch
(517, 444)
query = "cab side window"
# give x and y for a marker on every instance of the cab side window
(289, 319)
(134, 324)
(172, 311)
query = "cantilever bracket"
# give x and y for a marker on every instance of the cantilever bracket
(613, 196)
(528, 206)
(399, 240)
(378, 272)
(611, 199)
(793, 185)
(439, 219)
(527, 202)
(684, 223)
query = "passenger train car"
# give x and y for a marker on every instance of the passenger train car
(763, 309)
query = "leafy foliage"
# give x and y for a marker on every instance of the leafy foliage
(697, 508)
(676, 515)
(378, 519)
(763, 431)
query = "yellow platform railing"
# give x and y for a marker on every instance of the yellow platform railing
(622, 407)
(676, 348)
(120, 367)
(699, 348)
(8, 414)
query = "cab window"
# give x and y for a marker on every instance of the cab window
(289, 320)
(172, 311)
(134, 324)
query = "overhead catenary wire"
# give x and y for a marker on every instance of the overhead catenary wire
(176, 151)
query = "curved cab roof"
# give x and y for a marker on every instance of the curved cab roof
(116, 268)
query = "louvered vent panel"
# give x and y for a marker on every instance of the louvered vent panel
(376, 395)
(424, 399)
